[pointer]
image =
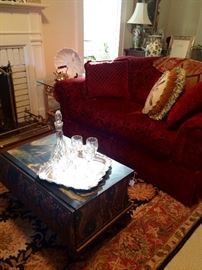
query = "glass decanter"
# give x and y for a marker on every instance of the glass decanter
(59, 158)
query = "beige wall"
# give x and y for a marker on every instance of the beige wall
(177, 17)
(63, 24)
(62, 28)
(199, 28)
(125, 29)
(181, 18)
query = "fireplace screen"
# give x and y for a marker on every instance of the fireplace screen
(8, 116)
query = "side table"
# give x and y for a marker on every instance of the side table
(134, 52)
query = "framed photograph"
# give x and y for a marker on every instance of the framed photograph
(180, 46)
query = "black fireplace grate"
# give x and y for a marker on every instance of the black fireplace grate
(8, 115)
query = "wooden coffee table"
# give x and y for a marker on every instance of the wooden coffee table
(79, 217)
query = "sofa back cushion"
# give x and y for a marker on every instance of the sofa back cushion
(189, 103)
(142, 77)
(107, 79)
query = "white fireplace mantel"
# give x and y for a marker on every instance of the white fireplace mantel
(10, 4)
(21, 26)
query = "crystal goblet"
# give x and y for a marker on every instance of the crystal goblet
(75, 149)
(77, 142)
(91, 147)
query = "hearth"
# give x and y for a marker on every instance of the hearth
(16, 136)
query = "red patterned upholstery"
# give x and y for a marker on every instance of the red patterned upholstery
(170, 159)
(188, 146)
(119, 118)
(191, 66)
(142, 76)
(188, 104)
(107, 79)
(149, 134)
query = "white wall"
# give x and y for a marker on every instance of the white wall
(181, 18)
(21, 43)
(62, 28)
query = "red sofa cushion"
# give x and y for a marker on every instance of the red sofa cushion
(149, 134)
(141, 76)
(107, 79)
(104, 113)
(123, 119)
(189, 103)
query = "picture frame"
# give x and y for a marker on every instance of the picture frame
(180, 46)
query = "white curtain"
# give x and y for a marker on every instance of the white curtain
(102, 28)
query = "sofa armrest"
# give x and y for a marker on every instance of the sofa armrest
(69, 89)
(188, 148)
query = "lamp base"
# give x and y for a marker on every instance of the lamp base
(138, 36)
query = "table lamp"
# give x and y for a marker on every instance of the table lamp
(139, 18)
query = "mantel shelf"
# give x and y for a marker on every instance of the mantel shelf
(10, 4)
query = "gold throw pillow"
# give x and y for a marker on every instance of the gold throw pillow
(164, 93)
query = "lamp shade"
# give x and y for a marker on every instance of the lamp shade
(140, 15)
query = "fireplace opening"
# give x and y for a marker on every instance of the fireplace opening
(8, 114)
(15, 111)
(17, 123)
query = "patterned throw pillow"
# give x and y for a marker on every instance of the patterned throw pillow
(164, 93)
(107, 79)
(192, 68)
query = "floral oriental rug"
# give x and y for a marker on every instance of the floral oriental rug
(154, 231)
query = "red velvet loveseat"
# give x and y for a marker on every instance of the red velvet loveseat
(108, 102)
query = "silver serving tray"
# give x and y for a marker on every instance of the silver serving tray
(81, 175)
